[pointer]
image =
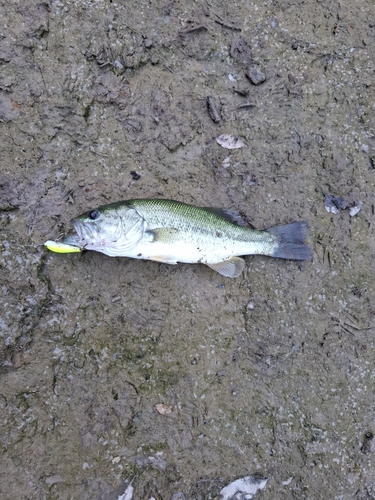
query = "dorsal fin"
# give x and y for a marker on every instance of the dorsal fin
(227, 214)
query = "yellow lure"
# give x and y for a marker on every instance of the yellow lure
(54, 246)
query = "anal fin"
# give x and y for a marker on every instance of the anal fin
(230, 268)
(164, 259)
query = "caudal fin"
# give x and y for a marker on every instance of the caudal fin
(291, 241)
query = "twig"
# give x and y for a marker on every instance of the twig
(226, 25)
(195, 29)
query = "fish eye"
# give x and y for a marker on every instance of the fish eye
(95, 214)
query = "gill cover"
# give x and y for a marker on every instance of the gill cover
(110, 231)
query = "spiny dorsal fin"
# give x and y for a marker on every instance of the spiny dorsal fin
(230, 268)
(227, 214)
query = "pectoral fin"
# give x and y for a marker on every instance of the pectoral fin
(230, 268)
(162, 234)
(159, 242)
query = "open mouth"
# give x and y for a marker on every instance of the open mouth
(78, 239)
(84, 230)
(78, 228)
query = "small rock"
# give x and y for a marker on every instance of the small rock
(51, 480)
(368, 443)
(178, 496)
(255, 74)
(135, 175)
(273, 22)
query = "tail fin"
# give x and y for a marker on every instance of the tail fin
(291, 241)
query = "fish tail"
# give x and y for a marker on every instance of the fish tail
(290, 240)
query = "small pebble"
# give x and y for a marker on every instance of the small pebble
(135, 176)
(255, 74)
(178, 496)
(273, 22)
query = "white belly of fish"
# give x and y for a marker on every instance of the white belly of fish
(189, 253)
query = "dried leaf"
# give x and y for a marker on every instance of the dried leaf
(247, 485)
(128, 493)
(354, 210)
(333, 204)
(163, 409)
(230, 142)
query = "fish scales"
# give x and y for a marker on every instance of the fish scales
(201, 225)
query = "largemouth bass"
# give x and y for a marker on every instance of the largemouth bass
(170, 231)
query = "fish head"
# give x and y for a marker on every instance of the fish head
(110, 229)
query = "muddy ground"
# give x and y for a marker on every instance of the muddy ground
(272, 373)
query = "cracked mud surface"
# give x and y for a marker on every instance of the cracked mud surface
(271, 373)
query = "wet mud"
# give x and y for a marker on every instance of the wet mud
(173, 377)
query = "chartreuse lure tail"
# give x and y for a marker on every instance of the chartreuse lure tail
(54, 246)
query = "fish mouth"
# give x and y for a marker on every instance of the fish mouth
(74, 240)
(78, 228)
(84, 232)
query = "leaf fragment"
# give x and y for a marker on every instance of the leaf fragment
(163, 409)
(230, 142)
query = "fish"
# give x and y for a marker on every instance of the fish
(170, 231)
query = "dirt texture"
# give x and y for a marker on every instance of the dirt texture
(272, 373)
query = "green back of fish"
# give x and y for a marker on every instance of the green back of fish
(193, 220)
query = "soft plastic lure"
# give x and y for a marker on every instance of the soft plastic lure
(54, 246)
